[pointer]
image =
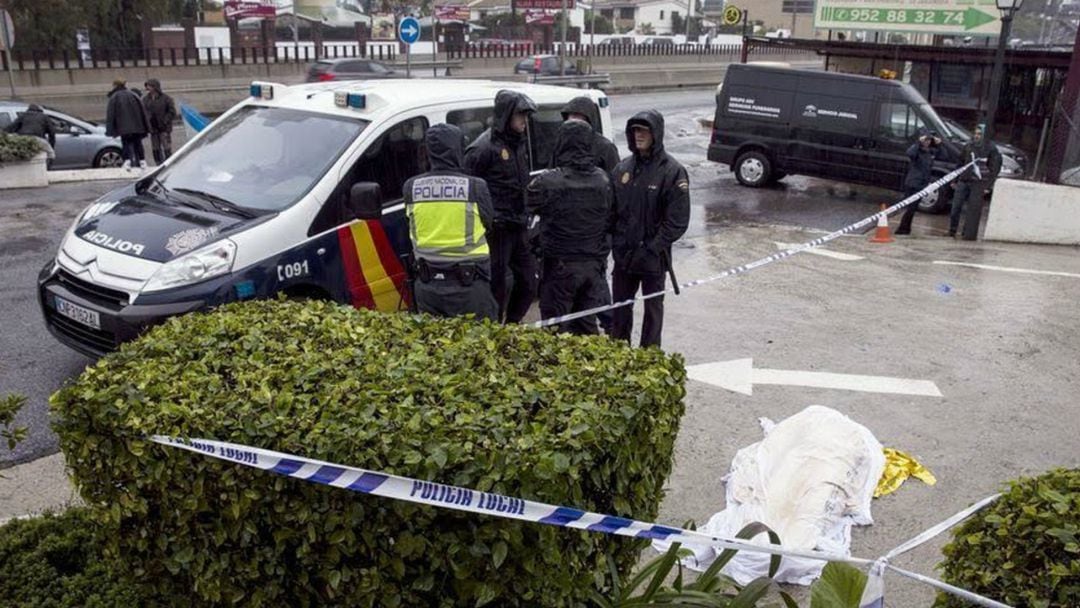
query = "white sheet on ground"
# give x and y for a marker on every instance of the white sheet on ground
(811, 479)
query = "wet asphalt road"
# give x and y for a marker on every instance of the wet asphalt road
(32, 223)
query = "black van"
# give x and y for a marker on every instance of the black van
(774, 121)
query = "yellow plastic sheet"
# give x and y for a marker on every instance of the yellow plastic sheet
(898, 467)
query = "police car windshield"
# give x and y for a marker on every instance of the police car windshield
(263, 159)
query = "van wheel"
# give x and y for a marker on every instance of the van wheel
(937, 202)
(753, 169)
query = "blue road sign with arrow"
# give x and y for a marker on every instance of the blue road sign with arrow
(409, 30)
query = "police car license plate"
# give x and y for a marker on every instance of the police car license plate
(77, 313)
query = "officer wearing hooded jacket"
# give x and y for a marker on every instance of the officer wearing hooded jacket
(500, 156)
(652, 211)
(449, 214)
(604, 153)
(575, 203)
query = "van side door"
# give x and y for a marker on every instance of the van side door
(372, 254)
(830, 134)
(897, 127)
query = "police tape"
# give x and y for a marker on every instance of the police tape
(457, 498)
(737, 270)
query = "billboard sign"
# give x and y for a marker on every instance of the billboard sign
(547, 5)
(452, 12)
(250, 9)
(959, 17)
(535, 17)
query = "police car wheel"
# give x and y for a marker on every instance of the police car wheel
(936, 202)
(753, 169)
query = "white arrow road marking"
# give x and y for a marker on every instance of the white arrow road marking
(836, 255)
(1052, 273)
(739, 376)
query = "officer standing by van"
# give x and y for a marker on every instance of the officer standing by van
(575, 202)
(921, 155)
(500, 156)
(652, 211)
(449, 214)
(969, 189)
(583, 109)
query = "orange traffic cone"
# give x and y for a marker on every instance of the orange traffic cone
(882, 234)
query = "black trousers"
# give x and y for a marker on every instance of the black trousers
(909, 212)
(624, 286)
(573, 286)
(510, 254)
(132, 148)
(967, 201)
(450, 298)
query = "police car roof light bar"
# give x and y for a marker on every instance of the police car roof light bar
(263, 90)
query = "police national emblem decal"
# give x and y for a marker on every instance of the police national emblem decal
(625, 178)
(189, 239)
(505, 154)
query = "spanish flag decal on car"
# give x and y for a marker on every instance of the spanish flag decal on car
(373, 271)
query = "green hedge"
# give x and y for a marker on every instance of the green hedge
(1023, 550)
(17, 148)
(585, 422)
(53, 561)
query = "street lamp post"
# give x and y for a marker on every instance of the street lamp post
(1008, 9)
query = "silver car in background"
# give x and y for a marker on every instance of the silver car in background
(79, 143)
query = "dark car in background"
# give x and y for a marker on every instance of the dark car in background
(1013, 159)
(80, 144)
(617, 41)
(544, 65)
(350, 69)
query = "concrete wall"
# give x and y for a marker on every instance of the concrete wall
(1030, 212)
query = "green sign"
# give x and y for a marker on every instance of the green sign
(940, 17)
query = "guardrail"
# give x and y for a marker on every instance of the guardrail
(51, 59)
(591, 81)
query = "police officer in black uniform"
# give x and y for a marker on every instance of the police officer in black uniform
(449, 213)
(575, 202)
(652, 209)
(583, 109)
(500, 156)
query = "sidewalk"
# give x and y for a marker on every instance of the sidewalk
(35, 487)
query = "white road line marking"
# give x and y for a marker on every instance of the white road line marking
(740, 376)
(836, 255)
(1052, 273)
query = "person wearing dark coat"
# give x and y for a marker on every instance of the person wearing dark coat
(126, 119)
(161, 112)
(500, 156)
(970, 186)
(652, 211)
(921, 155)
(575, 203)
(449, 214)
(604, 153)
(35, 123)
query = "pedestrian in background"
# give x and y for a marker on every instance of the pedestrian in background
(972, 184)
(126, 119)
(500, 156)
(652, 211)
(161, 112)
(575, 203)
(449, 214)
(35, 123)
(921, 157)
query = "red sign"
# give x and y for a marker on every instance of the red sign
(535, 17)
(452, 12)
(250, 9)
(548, 5)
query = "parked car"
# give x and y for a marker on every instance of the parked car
(774, 121)
(80, 144)
(1013, 159)
(544, 65)
(350, 69)
(617, 41)
(658, 42)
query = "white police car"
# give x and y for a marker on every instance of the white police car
(267, 200)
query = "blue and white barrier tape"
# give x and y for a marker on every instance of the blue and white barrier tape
(457, 498)
(737, 270)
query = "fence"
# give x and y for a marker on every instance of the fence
(50, 59)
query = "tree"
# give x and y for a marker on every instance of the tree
(51, 24)
(646, 29)
(603, 24)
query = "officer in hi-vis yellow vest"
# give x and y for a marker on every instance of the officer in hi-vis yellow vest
(449, 213)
